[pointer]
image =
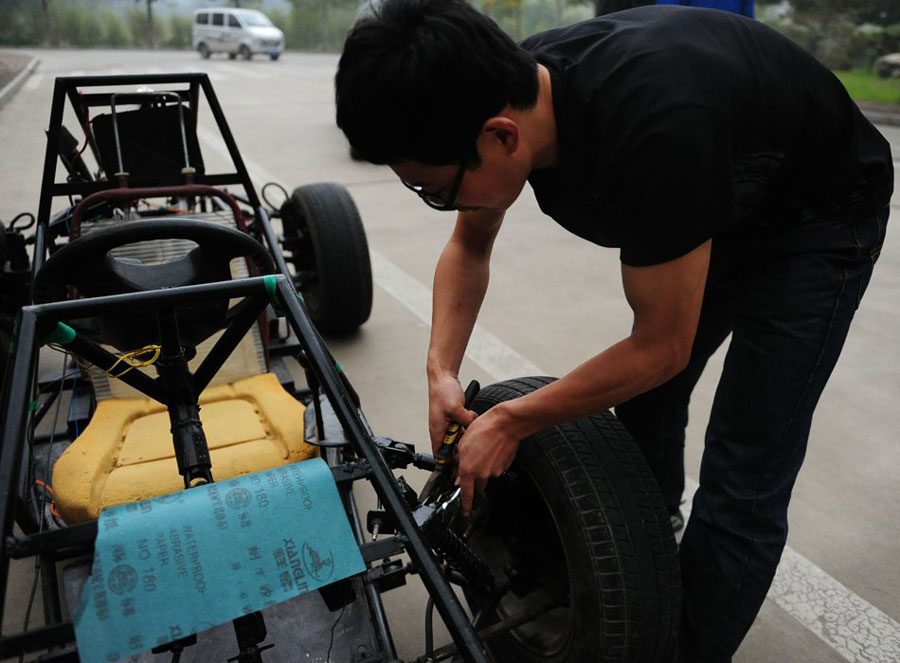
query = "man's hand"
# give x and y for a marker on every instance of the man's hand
(446, 405)
(486, 450)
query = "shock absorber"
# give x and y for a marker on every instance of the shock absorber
(459, 556)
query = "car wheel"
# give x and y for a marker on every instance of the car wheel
(204, 51)
(245, 52)
(325, 243)
(576, 530)
(274, 56)
(232, 56)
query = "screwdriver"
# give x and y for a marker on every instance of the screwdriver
(445, 453)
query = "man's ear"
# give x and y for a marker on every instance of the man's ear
(504, 131)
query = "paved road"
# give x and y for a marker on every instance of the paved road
(838, 594)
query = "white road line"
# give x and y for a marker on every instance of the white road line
(855, 628)
(34, 82)
(213, 140)
(850, 625)
(485, 349)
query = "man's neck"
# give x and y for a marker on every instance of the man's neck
(541, 123)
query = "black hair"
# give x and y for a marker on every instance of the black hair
(418, 79)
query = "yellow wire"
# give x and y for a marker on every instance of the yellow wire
(130, 359)
(133, 361)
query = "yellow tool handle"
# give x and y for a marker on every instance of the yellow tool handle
(445, 453)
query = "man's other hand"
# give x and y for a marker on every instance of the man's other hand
(486, 450)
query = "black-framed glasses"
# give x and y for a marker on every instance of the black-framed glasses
(436, 201)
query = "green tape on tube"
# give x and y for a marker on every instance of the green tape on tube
(62, 335)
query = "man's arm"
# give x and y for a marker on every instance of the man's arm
(460, 282)
(666, 300)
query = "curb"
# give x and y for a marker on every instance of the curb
(876, 117)
(10, 88)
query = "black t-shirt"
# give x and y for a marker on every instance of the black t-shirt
(674, 123)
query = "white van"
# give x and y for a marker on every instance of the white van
(241, 32)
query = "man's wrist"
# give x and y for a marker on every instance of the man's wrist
(436, 367)
(507, 419)
(518, 417)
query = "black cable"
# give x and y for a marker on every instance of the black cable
(266, 200)
(12, 224)
(37, 563)
(334, 626)
(429, 618)
(429, 629)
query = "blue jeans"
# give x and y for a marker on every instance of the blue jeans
(787, 297)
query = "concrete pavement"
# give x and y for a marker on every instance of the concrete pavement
(845, 516)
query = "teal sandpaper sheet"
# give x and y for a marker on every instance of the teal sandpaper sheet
(167, 567)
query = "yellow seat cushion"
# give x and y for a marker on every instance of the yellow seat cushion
(125, 454)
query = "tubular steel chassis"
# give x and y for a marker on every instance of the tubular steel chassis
(375, 457)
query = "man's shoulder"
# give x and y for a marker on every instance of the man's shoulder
(661, 56)
(649, 28)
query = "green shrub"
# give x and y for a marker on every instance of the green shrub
(179, 32)
(316, 25)
(865, 85)
(115, 34)
(73, 25)
(140, 30)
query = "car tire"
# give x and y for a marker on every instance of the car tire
(232, 56)
(204, 51)
(577, 520)
(245, 52)
(325, 243)
(274, 56)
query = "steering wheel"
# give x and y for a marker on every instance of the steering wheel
(87, 265)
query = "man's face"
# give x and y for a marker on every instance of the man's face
(439, 200)
(494, 184)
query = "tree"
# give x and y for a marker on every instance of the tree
(299, 7)
(49, 26)
(151, 42)
(880, 12)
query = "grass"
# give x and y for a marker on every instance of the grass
(865, 85)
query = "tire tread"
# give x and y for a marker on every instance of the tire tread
(624, 523)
